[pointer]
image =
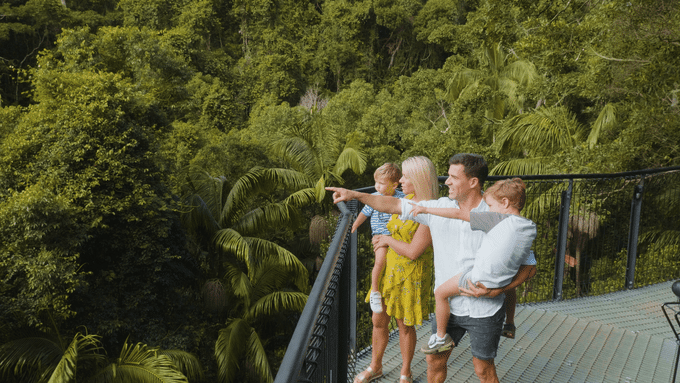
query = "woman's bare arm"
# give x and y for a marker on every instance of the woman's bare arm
(421, 241)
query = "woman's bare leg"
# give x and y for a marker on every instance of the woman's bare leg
(407, 345)
(381, 335)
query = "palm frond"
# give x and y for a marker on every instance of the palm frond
(298, 153)
(247, 186)
(263, 248)
(278, 301)
(494, 57)
(667, 196)
(320, 189)
(259, 181)
(231, 242)
(268, 278)
(230, 348)
(140, 363)
(459, 81)
(523, 72)
(661, 237)
(258, 357)
(137, 373)
(350, 158)
(469, 90)
(543, 132)
(29, 357)
(605, 120)
(542, 198)
(301, 197)
(199, 220)
(239, 282)
(82, 349)
(268, 217)
(186, 363)
(523, 166)
(286, 178)
(212, 191)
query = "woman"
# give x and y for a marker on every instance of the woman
(407, 283)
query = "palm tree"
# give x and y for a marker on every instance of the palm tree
(531, 140)
(503, 78)
(255, 278)
(316, 151)
(259, 296)
(225, 220)
(304, 138)
(40, 358)
(43, 359)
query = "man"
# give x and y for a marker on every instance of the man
(455, 245)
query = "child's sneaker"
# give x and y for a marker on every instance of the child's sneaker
(437, 344)
(376, 301)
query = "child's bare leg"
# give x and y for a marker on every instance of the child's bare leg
(380, 260)
(442, 309)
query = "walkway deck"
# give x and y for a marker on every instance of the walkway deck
(618, 337)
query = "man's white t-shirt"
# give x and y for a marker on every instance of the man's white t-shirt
(455, 246)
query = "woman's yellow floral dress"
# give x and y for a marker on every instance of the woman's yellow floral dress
(406, 284)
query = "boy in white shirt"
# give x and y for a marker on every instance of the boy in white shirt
(504, 248)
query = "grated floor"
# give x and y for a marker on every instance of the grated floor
(617, 337)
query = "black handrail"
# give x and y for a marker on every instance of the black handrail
(308, 340)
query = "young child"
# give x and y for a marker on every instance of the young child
(386, 181)
(505, 247)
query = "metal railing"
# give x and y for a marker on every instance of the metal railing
(594, 237)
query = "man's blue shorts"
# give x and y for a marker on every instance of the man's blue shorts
(485, 333)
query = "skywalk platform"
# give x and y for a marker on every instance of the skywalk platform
(617, 337)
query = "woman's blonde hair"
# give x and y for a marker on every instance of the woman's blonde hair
(422, 174)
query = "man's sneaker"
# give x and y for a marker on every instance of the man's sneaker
(436, 344)
(376, 301)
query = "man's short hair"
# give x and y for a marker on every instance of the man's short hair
(474, 165)
(388, 170)
(512, 189)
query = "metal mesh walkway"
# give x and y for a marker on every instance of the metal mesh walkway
(617, 337)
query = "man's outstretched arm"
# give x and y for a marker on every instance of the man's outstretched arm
(382, 203)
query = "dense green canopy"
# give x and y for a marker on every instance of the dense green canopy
(111, 110)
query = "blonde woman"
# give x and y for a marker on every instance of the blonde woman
(407, 283)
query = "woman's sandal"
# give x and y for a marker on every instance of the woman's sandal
(368, 375)
(509, 331)
(406, 379)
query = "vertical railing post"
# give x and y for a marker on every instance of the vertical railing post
(347, 307)
(633, 232)
(562, 241)
(352, 309)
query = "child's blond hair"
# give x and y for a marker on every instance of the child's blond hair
(512, 189)
(389, 171)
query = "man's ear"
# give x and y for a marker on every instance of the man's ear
(474, 182)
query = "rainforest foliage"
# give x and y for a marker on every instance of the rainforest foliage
(161, 161)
